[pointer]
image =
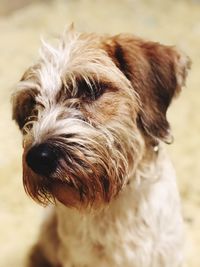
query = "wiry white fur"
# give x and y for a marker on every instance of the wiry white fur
(75, 56)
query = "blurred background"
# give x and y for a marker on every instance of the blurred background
(22, 23)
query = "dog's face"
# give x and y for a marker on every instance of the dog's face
(86, 111)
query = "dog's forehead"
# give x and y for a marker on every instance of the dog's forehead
(77, 68)
(76, 55)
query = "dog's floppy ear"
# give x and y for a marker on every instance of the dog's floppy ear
(23, 99)
(23, 103)
(157, 73)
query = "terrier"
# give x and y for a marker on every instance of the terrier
(92, 113)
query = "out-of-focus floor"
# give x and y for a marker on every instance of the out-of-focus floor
(170, 22)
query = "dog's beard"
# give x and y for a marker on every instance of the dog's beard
(93, 167)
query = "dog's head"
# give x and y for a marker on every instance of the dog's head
(89, 109)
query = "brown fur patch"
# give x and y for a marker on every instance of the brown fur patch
(152, 69)
(37, 258)
(23, 105)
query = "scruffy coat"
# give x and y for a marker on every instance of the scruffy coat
(99, 103)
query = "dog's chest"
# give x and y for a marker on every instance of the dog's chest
(90, 241)
(77, 244)
(115, 238)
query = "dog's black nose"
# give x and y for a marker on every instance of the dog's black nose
(42, 159)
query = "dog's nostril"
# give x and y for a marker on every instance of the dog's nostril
(42, 159)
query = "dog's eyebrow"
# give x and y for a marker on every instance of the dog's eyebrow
(87, 88)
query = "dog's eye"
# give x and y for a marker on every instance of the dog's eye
(84, 89)
(23, 106)
(29, 121)
(90, 90)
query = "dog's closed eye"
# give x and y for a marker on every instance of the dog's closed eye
(89, 89)
(85, 89)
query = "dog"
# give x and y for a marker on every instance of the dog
(92, 112)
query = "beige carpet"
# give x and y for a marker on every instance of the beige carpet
(172, 22)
